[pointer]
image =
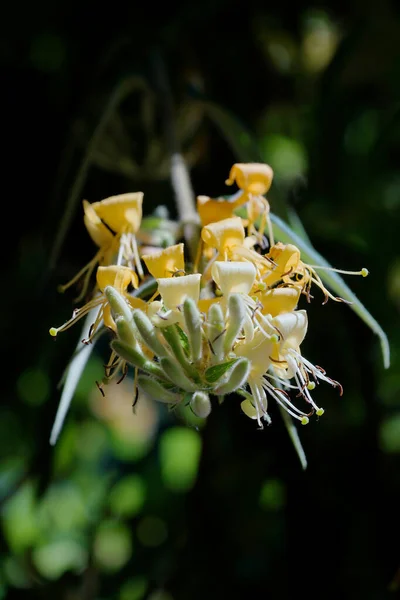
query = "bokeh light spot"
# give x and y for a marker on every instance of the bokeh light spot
(180, 450)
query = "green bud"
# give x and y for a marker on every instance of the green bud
(148, 333)
(176, 374)
(235, 378)
(126, 331)
(200, 404)
(237, 313)
(193, 327)
(136, 358)
(157, 391)
(215, 330)
(118, 304)
(172, 337)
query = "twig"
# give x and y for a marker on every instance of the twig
(180, 178)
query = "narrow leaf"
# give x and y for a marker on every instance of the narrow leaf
(72, 376)
(215, 372)
(294, 436)
(333, 280)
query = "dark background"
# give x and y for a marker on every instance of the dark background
(156, 505)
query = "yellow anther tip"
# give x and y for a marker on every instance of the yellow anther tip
(305, 421)
(53, 331)
(311, 386)
(364, 272)
(274, 338)
(228, 181)
(320, 412)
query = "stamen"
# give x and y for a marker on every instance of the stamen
(99, 387)
(124, 373)
(363, 272)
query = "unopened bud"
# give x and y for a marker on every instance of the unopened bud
(118, 304)
(136, 358)
(176, 374)
(200, 404)
(235, 378)
(215, 330)
(193, 327)
(126, 331)
(157, 391)
(237, 313)
(148, 333)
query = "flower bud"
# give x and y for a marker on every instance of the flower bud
(176, 374)
(215, 330)
(136, 358)
(235, 378)
(148, 333)
(157, 391)
(118, 304)
(237, 313)
(200, 404)
(193, 327)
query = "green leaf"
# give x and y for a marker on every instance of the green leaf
(72, 376)
(294, 436)
(215, 372)
(333, 280)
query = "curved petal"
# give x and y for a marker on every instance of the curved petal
(174, 290)
(279, 300)
(116, 276)
(121, 213)
(211, 210)
(95, 227)
(253, 178)
(292, 327)
(164, 263)
(224, 234)
(234, 277)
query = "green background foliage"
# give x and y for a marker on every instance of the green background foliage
(161, 505)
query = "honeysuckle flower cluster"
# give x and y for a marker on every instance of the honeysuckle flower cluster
(229, 322)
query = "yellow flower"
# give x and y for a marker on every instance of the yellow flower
(116, 276)
(173, 292)
(286, 265)
(227, 237)
(214, 209)
(165, 263)
(278, 300)
(106, 242)
(112, 224)
(122, 213)
(254, 179)
(288, 362)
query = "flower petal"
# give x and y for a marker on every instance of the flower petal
(95, 227)
(121, 213)
(234, 277)
(224, 234)
(117, 276)
(293, 328)
(252, 178)
(164, 263)
(174, 290)
(211, 210)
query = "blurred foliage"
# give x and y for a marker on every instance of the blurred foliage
(157, 504)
